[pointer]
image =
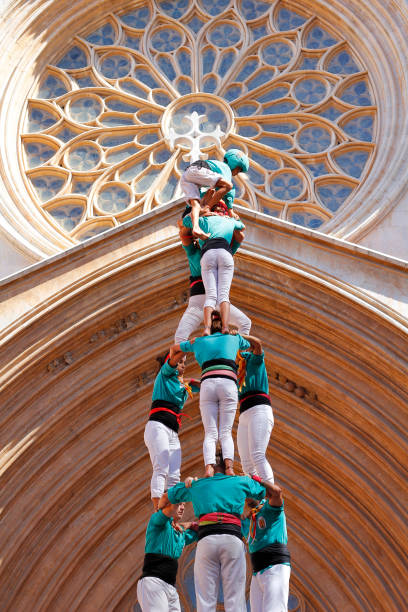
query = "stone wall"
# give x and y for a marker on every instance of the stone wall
(77, 366)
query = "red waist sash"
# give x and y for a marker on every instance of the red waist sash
(214, 518)
(178, 415)
(200, 280)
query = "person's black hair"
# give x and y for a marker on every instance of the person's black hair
(219, 461)
(252, 503)
(161, 359)
(186, 211)
(216, 324)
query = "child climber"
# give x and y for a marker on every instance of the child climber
(207, 174)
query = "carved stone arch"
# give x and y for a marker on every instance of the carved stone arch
(77, 372)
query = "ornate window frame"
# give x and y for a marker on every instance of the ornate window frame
(24, 221)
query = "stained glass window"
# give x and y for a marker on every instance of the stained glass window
(127, 104)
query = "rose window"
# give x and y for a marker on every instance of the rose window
(117, 117)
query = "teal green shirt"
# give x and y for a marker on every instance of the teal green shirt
(163, 539)
(235, 246)
(225, 171)
(270, 528)
(218, 345)
(168, 387)
(194, 259)
(218, 494)
(218, 226)
(256, 378)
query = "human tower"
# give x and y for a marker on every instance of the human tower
(229, 508)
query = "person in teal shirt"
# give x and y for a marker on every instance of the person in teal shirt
(170, 393)
(256, 417)
(193, 315)
(216, 355)
(165, 541)
(216, 175)
(217, 263)
(264, 527)
(219, 503)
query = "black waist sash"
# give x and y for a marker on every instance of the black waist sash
(220, 362)
(253, 398)
(201, 163)
(270, 555)
(167, 418)
(160, 566)
(196, 286)
(216, 243)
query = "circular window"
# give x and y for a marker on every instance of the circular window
(120, 113)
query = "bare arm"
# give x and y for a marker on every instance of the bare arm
(238, 235)
(175, 354)
(185, 234)
(164, 504)
(256, 344)
(190, 525)
(273, 493)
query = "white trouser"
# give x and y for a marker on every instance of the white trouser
(220, 555)
(270, 590)
(218, 402)
(217, 270)
(165, 454)
(194, 177)
(156, 595)
(254, 430)
(193, 318)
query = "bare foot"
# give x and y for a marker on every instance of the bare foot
(229, 467)
(198, 233)
(209, 471)
(205, 211)
(207, 331)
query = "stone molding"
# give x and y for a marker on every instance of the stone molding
(378, 281)
(76, 368)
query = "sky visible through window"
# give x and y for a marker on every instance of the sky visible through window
(117, 117)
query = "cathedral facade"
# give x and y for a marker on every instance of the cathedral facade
(103, 105)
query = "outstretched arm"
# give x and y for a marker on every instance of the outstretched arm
(176, 349)
(256, 344)
(176, 353)
(273, 493)
(164, 502)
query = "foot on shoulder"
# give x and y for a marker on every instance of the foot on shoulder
(198, 233)
(209, 471)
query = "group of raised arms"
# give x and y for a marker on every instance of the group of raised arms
(230, 509)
